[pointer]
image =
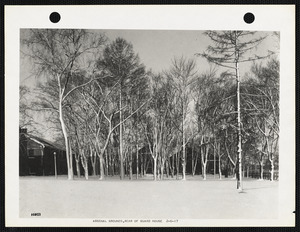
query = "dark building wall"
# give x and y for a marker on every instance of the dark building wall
(23, 156)
(36, 159)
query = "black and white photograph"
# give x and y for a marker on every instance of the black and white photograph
(149, 126)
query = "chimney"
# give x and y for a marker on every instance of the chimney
(23, 130)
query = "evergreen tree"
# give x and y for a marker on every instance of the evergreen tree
(230, 48)
(121, 65)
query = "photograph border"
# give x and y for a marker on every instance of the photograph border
(7, 117)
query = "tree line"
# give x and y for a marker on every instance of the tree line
(114, 113)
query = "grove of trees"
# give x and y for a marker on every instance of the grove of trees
(118, 118)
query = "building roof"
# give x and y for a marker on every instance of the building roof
(44, 142)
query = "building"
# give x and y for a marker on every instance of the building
(40, 157)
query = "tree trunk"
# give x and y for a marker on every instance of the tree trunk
(272, 169)
(146, 166)
(65, 134)
(142, 164)
(234, 171)
(106, 162)
(109, 162)
(162, 167)
(101, 165)
(183, 165)
(193, 172)
(126, 167)
(220, 169)
(158, 168)
(173, 166)
(183, 148)
(77, 167)
(84, 164)
(130, 165)
(261, 167)
(204, 156)
(122, 174)
(248, 171)
(204, 171)
(113, 167)
(86, 169)
(239, 150)
(195, 165)
(167, 167)
(155, 168)
(93, 161)
(137, 161)
(215, 146)
(177, 166)
(71, 159)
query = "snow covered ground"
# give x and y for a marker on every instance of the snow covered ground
(112, 198)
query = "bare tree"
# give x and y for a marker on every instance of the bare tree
(229, 50)
(182, 72)
(57, 55)
(261, 100)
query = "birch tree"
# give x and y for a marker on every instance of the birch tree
(182, 73)
(57, 55)
(261, 101)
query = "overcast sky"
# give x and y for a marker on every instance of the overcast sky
(156, 48)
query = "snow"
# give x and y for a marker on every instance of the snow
(148, 199)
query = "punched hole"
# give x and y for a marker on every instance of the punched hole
(249, 18)
(54, 17)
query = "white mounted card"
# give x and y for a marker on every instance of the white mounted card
(150, 116)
